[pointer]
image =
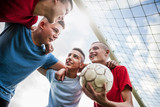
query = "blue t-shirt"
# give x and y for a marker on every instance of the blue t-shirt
(66, 93)
(19, 57)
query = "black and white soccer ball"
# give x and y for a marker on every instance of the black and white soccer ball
(97, 74)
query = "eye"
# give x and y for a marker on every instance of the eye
(67, 11)
(95, 48)
(76, 56)
(55, 30)
(69, 54)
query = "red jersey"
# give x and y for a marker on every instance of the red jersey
(18, 11)
(120, 80)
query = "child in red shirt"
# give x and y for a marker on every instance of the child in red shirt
(25, 12)
(120, 93)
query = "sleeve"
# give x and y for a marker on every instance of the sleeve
(51, 60)
(123, 78)
(50, 75)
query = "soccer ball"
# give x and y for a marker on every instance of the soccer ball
(97, 74)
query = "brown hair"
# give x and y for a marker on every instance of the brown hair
(79, 50)
(62, 24)
(68, 1)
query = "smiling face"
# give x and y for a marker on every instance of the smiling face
(74, 60)
(59, 9)
(98, 53)
(49, 32)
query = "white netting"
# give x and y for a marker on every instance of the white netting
(132, 29)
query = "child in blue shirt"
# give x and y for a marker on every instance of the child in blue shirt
(22, 52)
(66, 93)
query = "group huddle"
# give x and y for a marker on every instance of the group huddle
(24, 48)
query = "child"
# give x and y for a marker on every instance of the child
(25, 12)
(22, 52)
(66, 93)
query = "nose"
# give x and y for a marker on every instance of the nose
(70, 57)
(60, 18)
(91, 51)
(55, 36)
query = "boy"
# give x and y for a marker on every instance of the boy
(66, 93)
(25, 12)
(22, 51)
(120, 93)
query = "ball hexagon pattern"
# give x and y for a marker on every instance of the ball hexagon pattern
(97, 74)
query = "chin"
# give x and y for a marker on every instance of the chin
(94, 61)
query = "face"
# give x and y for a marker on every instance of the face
(58, 11)
(74, 60)
(97, 54)
(50, 32)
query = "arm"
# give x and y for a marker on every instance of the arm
(49, 48)
(102, 99)
(42, 71)
(60, 67)
(57, 66)
(59, 75)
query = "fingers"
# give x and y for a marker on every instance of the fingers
(104, 87)
(33, 28)
(85, 90)
(111, 64)
(63, 77)
(60, 75)
(49, 48)
(57, 76)
(91, 89)
(108, 64)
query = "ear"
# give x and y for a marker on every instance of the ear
(41, 24)
(82, 66)
(107, 52)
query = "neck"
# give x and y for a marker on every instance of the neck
(72, 73)
(35, 38)
(104, 62)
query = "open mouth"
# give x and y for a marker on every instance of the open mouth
(50, 39)
(92, 56)
(69, 62)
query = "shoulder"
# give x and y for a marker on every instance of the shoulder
(120, 67)
(50, 74)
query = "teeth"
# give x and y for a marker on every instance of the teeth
(92, 55)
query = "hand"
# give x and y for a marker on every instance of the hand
(33, 28)
(60, 74)
(99, 97)
(49, 48)
(111, 64)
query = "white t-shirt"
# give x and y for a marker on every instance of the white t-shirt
(66, 93)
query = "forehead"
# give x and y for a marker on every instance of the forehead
(56, 25)
(96, 45)
(76, 53)
(68, 4)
